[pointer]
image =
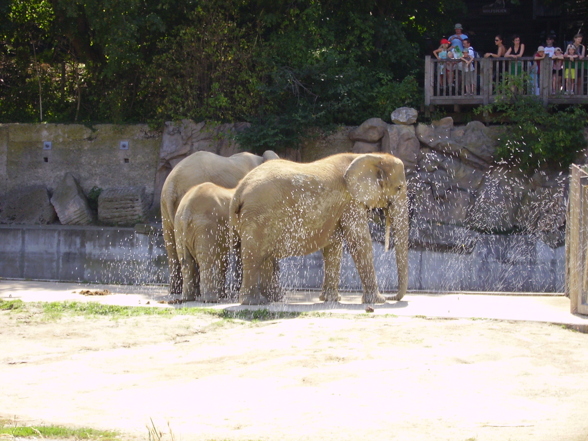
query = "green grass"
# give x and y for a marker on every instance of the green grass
(94, 309)
(11, 305)
(14, 430)
(57, 310)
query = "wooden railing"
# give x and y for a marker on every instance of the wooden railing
(453, 82)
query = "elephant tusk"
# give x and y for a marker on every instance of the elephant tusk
(387, 233)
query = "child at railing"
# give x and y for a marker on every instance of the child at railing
(443, 53)
(469, 67)
(557, 69)
(536, 69)
(570, 58)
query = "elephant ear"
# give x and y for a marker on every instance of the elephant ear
(364, 179)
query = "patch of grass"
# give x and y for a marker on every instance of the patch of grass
(56, 432)
(255, 315)
(11, 305)
(56, 309)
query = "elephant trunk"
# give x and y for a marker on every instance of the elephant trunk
(397, 218)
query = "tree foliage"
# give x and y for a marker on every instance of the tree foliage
(273, 62)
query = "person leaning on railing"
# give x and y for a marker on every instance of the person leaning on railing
(500, 49)
(557, 70)
(570, 58)
(516, 51)
(581, 66)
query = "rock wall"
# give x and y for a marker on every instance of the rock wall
(458, 194)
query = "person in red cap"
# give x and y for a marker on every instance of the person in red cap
(443, 53)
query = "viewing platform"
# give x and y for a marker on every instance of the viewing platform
(451, 82)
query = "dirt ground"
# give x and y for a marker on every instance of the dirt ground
(311, 378)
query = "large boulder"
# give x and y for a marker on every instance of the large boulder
(402, 142)
(371, 130)
(448, 206)
(70, 203)
(472, 144)
(404, 116)
(122, 206)
(462, 175)
(28, 206)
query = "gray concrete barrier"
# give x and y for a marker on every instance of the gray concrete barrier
(137, 256)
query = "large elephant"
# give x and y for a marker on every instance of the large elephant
(196, 169)
(203, 241)
(284, 209)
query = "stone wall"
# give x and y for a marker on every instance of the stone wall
(92, 154)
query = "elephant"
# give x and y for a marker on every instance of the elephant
(196, 169)
(284, 209)
(203, 241)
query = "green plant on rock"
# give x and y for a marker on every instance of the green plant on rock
(537, 136)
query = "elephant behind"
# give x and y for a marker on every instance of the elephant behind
(284, 209)
(196, 169)
(203, 241)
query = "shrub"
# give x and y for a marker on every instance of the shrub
(537, 136)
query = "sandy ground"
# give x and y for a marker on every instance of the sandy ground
(334, 377)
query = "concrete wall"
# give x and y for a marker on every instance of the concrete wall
(85, 254)
(93, 155)
(126, 256)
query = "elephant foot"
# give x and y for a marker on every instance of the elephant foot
(188, 295)
(330, 297)
(397, 297)
(254, 299)
(175, 285)
(373, 298)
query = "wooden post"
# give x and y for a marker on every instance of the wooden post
(577, 241)
(486, 79)
(428, 80)
(545, 79)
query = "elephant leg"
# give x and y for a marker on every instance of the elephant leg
(359, 241)
(251, 287)
(191, 277)
(270, 280)
(211, 280)
(175, 269)
(332, 262)
(233, 273)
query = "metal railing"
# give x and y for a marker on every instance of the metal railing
(454, 82)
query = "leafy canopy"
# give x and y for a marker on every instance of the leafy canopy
(309, 62)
